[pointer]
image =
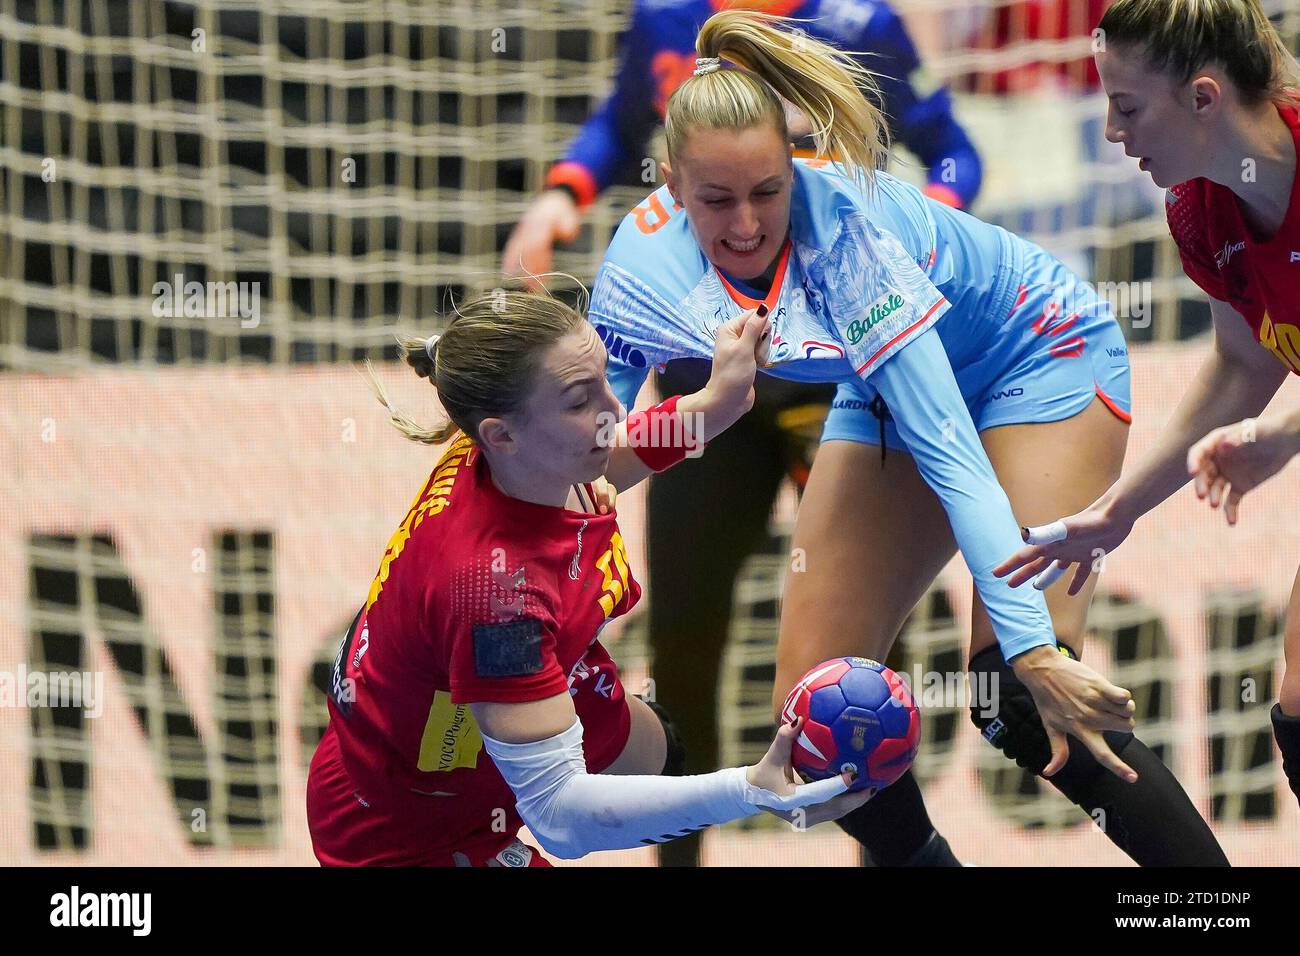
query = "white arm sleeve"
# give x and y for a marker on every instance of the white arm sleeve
(573, 813)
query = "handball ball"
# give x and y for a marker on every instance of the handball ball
(858, 715)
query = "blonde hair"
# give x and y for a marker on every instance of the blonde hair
(1180, 37)
(486, 362)
(825, 84)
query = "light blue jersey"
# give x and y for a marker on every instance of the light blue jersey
(890, 294)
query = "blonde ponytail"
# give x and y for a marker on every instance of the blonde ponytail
(824, 83)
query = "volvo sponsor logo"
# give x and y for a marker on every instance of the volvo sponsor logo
(619, 349)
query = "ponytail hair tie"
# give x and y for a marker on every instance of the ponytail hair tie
(429, 343)
(706, 64)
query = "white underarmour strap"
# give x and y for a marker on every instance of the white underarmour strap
(572, 812)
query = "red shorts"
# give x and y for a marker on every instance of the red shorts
(351, 826)
(347, 829)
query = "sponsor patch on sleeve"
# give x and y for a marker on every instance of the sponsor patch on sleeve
(511, 649)
(881, 299)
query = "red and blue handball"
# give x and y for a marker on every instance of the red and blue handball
(859, 716)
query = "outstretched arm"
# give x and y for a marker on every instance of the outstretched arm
(921, 390)
(606, 144)
(617, 132)
(537, 747)
(1238, 458)
(1237, 381)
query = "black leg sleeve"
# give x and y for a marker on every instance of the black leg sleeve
(1286, 730)
(1153, 821)
(895, 829)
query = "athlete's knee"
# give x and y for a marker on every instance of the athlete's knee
(1007, 717)
(675, 760)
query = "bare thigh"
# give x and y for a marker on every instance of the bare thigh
(868, 542)
(647, 747)
(1050, 470)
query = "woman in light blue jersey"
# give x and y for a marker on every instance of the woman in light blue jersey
(996, 379)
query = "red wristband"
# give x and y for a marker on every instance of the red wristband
(659, 437)
(944, 194)
(577, 178)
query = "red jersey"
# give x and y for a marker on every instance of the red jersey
(1258, 276)
(479, 597)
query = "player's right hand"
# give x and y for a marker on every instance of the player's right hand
(1073, 699)
(552, 217)
(739, 350)
(1084, 538)
(778, 791)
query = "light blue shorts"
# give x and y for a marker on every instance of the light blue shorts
(1041, 352)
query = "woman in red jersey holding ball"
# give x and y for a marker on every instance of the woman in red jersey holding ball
(1205, 95)
(471, 694)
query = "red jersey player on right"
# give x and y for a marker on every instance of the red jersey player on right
(1207, 97)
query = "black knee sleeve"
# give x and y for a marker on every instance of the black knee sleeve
(1153, 821)
(1286, 730)
(675, 762)
(1015, 728)
(683, 852)
(895, 829)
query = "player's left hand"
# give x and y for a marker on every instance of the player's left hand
(1237, 458)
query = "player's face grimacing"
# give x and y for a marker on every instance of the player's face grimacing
(735, 185)
(561, 437)
(1164, 125)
